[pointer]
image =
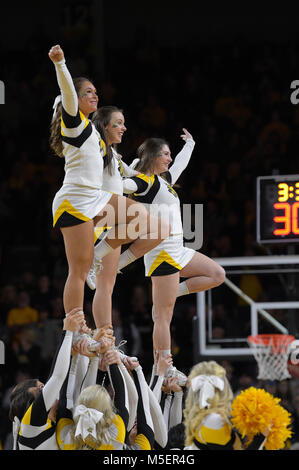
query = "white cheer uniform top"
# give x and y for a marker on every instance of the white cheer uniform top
(113, 178)
(156, 192)
(83, 147)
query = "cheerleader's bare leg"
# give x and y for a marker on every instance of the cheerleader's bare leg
(202, 273)
(79, 262)
(131, 223)
(164, 293)
(105, 281)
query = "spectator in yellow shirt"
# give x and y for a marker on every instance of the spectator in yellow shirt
(23, 313)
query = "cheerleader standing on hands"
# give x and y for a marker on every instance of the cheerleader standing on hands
(81, 198)
(169, 260)
(109, 121)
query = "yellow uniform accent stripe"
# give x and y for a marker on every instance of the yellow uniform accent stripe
(161, 258)
(62, 423)
(118, 422)
(63, 126)
(27, 420)
(146, 178)
(82, 119)
(66, 206)
(121, 433)
(214, 436)
(99, 230)
(27, 416)
(103, 147)
(121, 168)
(143, 442)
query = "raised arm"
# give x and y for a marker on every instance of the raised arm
(68, 93)
(183, 157)
(52, 387)
(118, 384)
(145, 427)
(176, 411)
(132, 395)
(162, 363)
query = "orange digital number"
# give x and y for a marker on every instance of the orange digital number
(283, 219)
(295, 209)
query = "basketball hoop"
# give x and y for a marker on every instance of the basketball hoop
(271, 353)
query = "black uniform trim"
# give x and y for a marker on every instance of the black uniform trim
(141, 184)
(210, 446)
(79, 141)
(71, 121)
(151, 194)
(34, 442)
(155, 380)
(119, 388)
(256, 442)
(142, 426)
(68, 220)
(62, 410)
(167, 176)
(164, 269)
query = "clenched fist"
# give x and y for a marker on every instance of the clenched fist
(56, 54)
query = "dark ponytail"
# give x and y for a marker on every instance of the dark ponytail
(101, 118)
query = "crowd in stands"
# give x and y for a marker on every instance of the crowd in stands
(235, 101)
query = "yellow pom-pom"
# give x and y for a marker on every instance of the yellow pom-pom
(255, 410)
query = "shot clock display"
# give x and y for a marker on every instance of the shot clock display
(278, 209)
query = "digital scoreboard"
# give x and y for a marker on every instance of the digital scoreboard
(277, 209)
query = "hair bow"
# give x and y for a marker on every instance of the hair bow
(134, 163)
(15, 431)
(88, 419)
(56, 103)
(206, 385)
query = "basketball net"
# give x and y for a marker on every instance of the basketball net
(271, 353)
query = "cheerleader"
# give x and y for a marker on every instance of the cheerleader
(81, 200)
(110, 122)
(167, 391)
(170, 260)
(31, 401)
(99, 422)
(208, 409)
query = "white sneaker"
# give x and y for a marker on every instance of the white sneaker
(92, 344)
(92, 275)
(174, 372)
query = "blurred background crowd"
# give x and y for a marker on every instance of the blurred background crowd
(234, 98)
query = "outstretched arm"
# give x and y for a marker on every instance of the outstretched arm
(132, 395)
(183, 157)
(52, 387)
(145, 428)
(68, 93)
(118, 384)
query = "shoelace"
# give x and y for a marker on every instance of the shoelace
(122, 343)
